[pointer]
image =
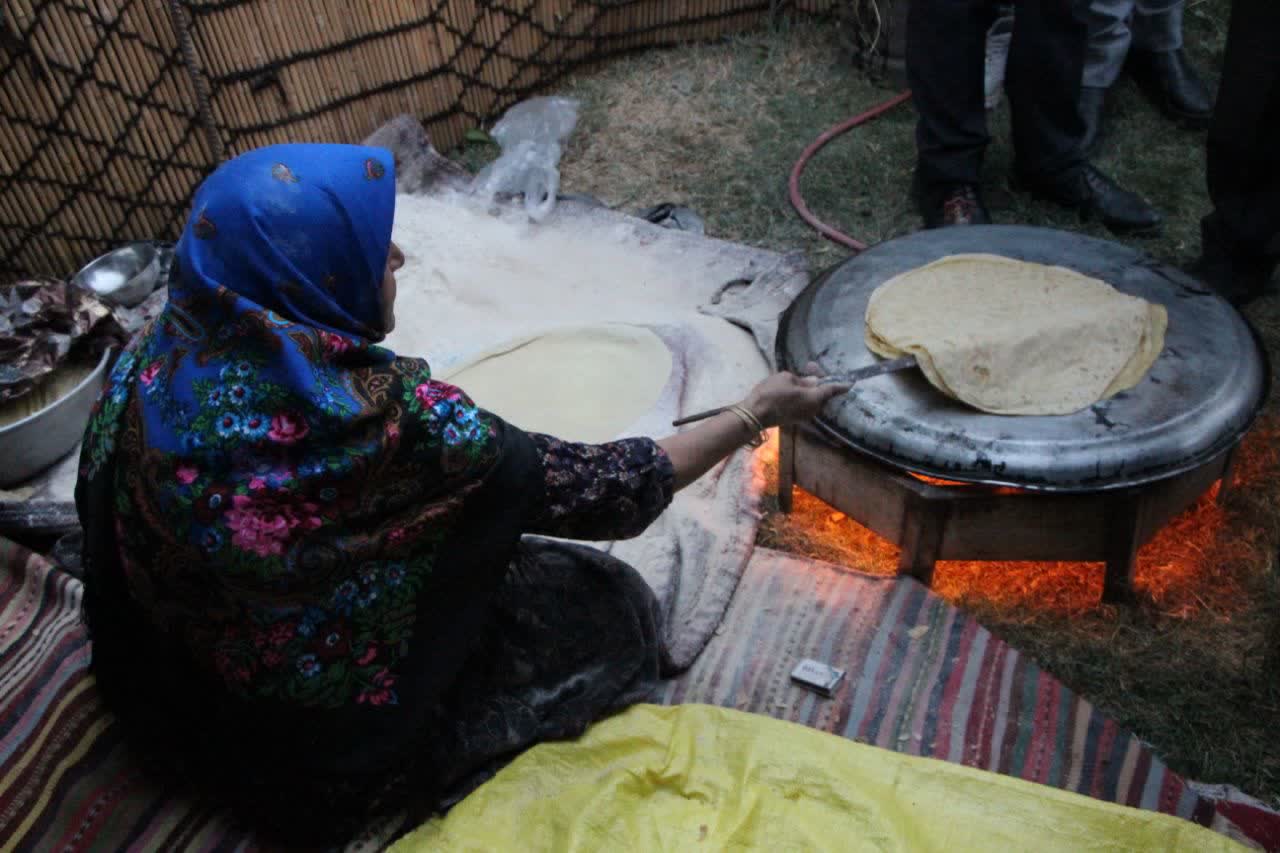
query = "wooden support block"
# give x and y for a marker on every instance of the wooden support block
(932, 521)
(1123, 525)
(1228, 474)
(922, 527)
(786, 467)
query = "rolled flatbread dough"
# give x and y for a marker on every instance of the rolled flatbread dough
(1013, 337)
(584, 384)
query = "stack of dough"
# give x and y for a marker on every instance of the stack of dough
(1016, 338)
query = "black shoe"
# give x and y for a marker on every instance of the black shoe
(1087, 190)
(956, 204)
(1092, 101)
(1172, 84)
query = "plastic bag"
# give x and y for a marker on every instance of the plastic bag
(532, 135)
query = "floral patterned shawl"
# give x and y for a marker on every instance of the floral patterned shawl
(287, 517)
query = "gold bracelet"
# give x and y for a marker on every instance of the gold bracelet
(756, 424)
(752, 423)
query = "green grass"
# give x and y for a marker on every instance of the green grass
(718, 127)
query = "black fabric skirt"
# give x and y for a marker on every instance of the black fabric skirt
(572, 636)
(575, 635)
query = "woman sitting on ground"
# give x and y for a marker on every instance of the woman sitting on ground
(305, 579)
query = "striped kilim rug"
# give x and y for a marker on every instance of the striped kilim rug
(922, 678)
(926, 679)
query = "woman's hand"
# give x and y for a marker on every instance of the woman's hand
(780, 400)
(785, 398)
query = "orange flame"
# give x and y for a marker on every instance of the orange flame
(1200, 561)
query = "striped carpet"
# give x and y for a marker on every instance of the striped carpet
(922, 679)
(925, 679)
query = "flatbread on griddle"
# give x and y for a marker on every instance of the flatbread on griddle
(1013, 337)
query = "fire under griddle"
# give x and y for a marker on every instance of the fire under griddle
(947, 482)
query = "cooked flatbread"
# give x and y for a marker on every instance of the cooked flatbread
(1013, 337)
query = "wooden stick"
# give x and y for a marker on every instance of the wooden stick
(700, 416)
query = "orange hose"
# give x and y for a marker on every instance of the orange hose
(793, 185)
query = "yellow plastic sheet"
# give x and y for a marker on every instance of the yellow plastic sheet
(695, 777)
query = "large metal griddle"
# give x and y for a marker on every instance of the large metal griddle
(1094, 485)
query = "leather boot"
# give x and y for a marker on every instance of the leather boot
(1172, 84)
(1085, 189)
(956, 204)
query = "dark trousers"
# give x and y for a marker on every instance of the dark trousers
(946, 42)
(1243, 151)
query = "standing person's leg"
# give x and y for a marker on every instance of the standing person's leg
(1157, 25)
(1160, 67)
(1240, 239)
(1045, 77)
(945, 49)
(1046, 69)
(1109, 39)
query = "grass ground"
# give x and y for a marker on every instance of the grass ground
(718, 126)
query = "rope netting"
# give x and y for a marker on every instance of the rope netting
(112, 111)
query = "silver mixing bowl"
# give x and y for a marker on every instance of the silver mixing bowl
(124, 276)
(37, 441)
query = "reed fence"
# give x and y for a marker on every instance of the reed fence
(112, 111)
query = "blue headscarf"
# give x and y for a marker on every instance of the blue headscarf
(279, 484)
(311, 227)
(284, 253)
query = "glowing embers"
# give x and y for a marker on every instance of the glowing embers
(934, 481)
(1009, 548)
(1193, 563)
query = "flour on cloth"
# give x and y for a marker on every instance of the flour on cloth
(475, 283)
(1013, 337)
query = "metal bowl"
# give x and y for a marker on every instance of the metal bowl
(37, 441)
(125, 276)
